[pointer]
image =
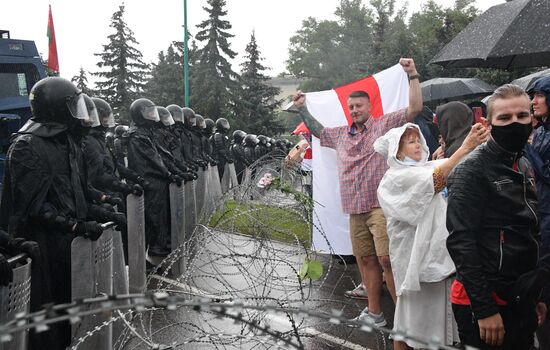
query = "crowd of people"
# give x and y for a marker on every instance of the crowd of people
(458, 227)
(70, 168)
(454, 217)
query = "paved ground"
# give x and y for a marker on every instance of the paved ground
(261, 272)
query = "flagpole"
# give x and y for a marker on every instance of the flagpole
(185, 55)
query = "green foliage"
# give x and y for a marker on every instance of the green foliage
(365, 39)
(261, 220)
(256, 105)
(166, 85)
(81, 82)
(213, 81)
(123, 71)
(311, 269)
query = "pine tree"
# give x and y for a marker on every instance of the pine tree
(213, 79)
(123, 70)
(166, 85)
(257, 104)
(81, 82)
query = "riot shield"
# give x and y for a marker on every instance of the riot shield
(135, 207)
(200, 191)
(92, 275)
(15, 299)
(232, 175)
(214, 188)
(177, 226)
(190, 209)
(226, 179)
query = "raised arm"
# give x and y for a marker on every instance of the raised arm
(415, 92)
(299, 106)
(478, 134)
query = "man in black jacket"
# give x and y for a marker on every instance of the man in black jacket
(493, 240)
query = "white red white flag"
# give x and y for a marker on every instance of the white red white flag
(388, 91)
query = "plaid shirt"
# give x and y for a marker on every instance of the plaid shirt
(360, 168)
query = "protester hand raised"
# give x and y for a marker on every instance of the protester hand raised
(408, 66)
(478, 134)
(299, 98)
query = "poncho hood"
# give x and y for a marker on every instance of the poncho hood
(388, 145)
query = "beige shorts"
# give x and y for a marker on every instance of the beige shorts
(368, 233)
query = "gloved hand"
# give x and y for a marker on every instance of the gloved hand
(143, 183)
(175, 179)
(88, 229)
(107, 207)
(119, 219)
(188, 176)
(114, 200)
(137, 190)
(6, 273)
(31, 248)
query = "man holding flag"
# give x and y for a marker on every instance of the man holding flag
(360, 170)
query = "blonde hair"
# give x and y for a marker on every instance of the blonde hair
(504, 92)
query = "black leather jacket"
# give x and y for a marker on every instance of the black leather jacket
(492, 223)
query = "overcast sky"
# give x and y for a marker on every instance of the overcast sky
(82, 27)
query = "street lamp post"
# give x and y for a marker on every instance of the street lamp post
(185, 55)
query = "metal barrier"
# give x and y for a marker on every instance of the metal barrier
(135, 210)
(177, 225)
(15, 299)
(92, 275)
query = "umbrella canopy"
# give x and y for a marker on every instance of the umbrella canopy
(514, 34)
(454, 89)
(526, 81)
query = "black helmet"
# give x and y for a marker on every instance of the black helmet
(165, 116)
(189, 117)
(222, 125)
(210, 125)
(142, 110)
(262, 139)
(250, 140)
(238, 136)
(120, 130)
(105, 112)
(58, 100)
(93, 121)
(176, 112)
(200, 121)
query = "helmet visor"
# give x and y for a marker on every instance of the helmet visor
(177, 114)
(150, 113)
(107, 121)
(77, 107)
(93, 121)
(166, 117)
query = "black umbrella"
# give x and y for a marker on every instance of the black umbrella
(454, 89)
(514, 34)
(526, 81)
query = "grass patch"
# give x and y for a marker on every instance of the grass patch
(281, 224)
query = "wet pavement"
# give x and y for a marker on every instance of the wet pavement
(262, 273)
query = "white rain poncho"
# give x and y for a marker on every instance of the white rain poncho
(415, 215)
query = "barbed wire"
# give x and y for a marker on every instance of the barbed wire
(241, 286)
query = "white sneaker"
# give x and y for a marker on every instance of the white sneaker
(369, 318)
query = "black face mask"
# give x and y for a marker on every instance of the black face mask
(511, 137)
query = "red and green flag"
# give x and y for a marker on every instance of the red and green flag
(53, 62)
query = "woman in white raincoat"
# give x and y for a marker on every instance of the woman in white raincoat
(411, 197)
